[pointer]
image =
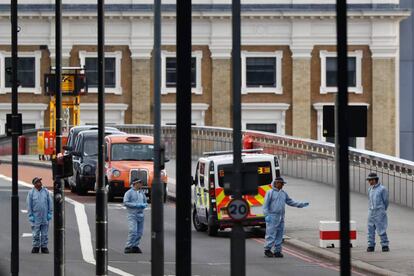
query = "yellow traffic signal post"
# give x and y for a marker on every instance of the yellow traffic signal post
(73, 85)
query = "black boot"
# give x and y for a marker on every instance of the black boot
(45, 250)
(136, 249)
(385, 249)
(370, 249)
(278, 255)
(128, 250)
(268, 253)
(35, 250)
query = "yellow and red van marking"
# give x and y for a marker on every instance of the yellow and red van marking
(223, 200)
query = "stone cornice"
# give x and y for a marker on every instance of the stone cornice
(303, 52)
(379, 52)
(141, 53)
(206, 11)
(220, 52)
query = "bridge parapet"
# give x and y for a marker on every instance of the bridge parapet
(301, 158)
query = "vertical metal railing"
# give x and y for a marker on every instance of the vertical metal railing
(58, 189)
(14, 255)
(157, 214)
(183, 145)
(101, 207)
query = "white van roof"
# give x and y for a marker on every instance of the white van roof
(246, 157)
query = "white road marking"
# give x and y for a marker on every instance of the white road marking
(23, 211)
(84, 230)
(25, 235)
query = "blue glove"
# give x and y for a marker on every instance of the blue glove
(306, 204)
(141, 205)
(49, 216)
(267, 219)
(31, 219)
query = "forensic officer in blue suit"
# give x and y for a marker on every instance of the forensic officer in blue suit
(135, 201)
(39, 211)
(377, 213)
(274, 211)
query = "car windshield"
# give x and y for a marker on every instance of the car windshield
(131, 151)
(90, 147)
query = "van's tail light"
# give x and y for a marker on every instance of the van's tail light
(212, 188)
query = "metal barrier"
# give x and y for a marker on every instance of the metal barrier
(301, 158)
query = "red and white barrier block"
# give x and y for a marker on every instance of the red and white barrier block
(329, 234)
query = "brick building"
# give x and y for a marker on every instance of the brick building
(288, 63)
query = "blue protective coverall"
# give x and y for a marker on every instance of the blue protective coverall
(39, 211)
(135, 202)
(377, 214)
(274, 211)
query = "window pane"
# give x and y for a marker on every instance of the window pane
(331, 69)
(351, 71)
(91, 65)
(171, 72)
(25, 74)
(261, 72)
(262, 127)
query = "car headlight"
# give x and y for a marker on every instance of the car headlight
(87, 169)
(116, 173)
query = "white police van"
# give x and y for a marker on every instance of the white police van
(210, 202)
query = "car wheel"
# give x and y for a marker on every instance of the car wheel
(212, 230)
(79, 189)
(199, 227)
(72, 188)
(110, 193)
(165, 192)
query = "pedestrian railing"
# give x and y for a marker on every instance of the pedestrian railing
(300, 158)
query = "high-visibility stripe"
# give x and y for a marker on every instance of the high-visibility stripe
(252, 200)
(262, 192)
(335, 235)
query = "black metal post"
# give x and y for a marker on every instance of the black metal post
(157, 214)
(101, 210)
(14, 266)
(183, 169)
(58, 188)
(341, 136)
(237, 242)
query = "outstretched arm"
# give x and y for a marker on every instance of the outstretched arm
(293, 203)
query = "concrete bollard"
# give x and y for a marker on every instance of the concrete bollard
(329, 234)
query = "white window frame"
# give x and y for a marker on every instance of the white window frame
(354, 89)
(278, 55)
(37, 55)
(198, 90)
(117, 90)
(360, 141)
(265, 113)
(198, 113)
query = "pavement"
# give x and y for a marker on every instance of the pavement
(302, 225)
